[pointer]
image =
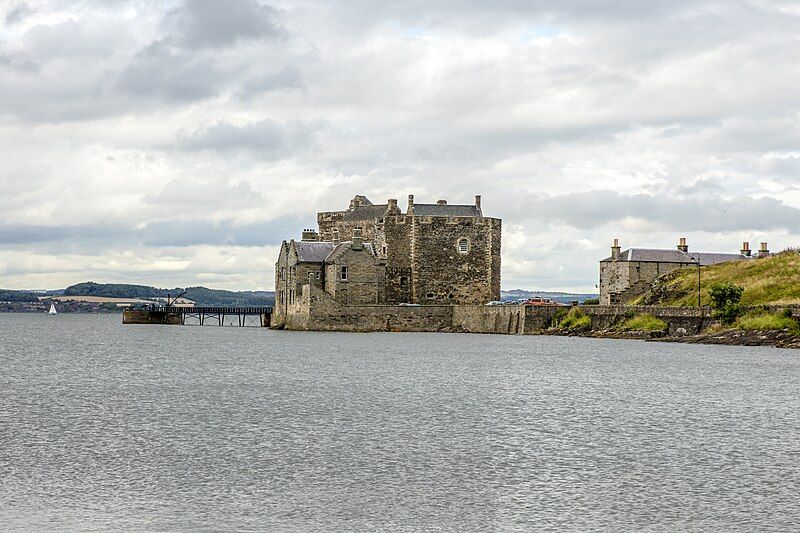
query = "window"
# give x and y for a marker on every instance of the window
(403, 281)
(343, 273)
(319, 275)
(383, 250)
(283, 273)
(463, 246)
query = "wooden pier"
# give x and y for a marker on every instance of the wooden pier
(200, 316)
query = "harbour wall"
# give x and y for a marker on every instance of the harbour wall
(315, 310)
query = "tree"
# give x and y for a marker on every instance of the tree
(725, 298)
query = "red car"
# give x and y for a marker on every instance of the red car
(543, 302)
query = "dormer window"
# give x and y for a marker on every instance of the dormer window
(463, 246)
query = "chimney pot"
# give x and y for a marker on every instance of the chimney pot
(682, 246)
(745, 249)
(763, 251)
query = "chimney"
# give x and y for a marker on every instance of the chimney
(393, 209)
(310, 235)
(358, 243)
(745, 249)
(441, 202)
(682, 246)
(763, 251)
(410, 204)
(335, 236)
(478, 202)
(615, 250)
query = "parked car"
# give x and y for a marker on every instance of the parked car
(495, 303)
(543, 302)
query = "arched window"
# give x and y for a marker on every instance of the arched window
(463, 246)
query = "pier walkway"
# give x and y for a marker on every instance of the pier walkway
(200, 316)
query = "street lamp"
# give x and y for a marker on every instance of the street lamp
(696, 259)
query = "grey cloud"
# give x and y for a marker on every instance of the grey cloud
(265, 138)
(18, 13)
(203, 195)
(158, 233)
(171, 75)
(18, 63)
(587, 210)
(285, 79)
(210, 23)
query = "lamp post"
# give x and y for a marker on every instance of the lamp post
(696, 259)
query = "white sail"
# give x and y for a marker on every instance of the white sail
(52, 309)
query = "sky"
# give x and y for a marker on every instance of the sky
(178, 143)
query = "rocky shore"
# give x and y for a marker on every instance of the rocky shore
(731, 337)
(738, 337)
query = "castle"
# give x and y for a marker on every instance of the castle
(628, 274)
(377, 255)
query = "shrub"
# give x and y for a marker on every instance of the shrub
(643, 322)
(769, 321)
(725, 298)
(591, 301)
(575, 319)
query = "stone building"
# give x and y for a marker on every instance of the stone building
(377, 254)
(627, 274)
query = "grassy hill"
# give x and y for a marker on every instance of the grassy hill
(200, 295)
(772, 280)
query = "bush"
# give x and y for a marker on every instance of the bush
(769, 321)
(643, 322)
(575, 319)
(725, 298)
(591, 301)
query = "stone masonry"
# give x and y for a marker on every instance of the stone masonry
(431, 254)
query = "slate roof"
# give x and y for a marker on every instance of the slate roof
(436, 210)
(313, 252)
(346, 244)
(365, 212)
(654, 255)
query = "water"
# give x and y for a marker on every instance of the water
(105, 427)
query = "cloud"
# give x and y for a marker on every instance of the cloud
(195, 124)
(264, 138)
(18, 13)
(285, 79)
(171, 75)
(586, 210)
(209, 23)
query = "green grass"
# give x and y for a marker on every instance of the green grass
(772, 280)
(574, 319)
(643, 322)
(768, 321)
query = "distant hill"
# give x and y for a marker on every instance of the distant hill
(771, 280)
(200, 295)
(10, 295)
(563, 297)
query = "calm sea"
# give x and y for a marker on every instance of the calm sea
(105, 427)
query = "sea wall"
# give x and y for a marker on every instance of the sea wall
(316, 310)
(680, 320)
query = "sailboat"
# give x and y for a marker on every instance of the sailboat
(52, 310)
